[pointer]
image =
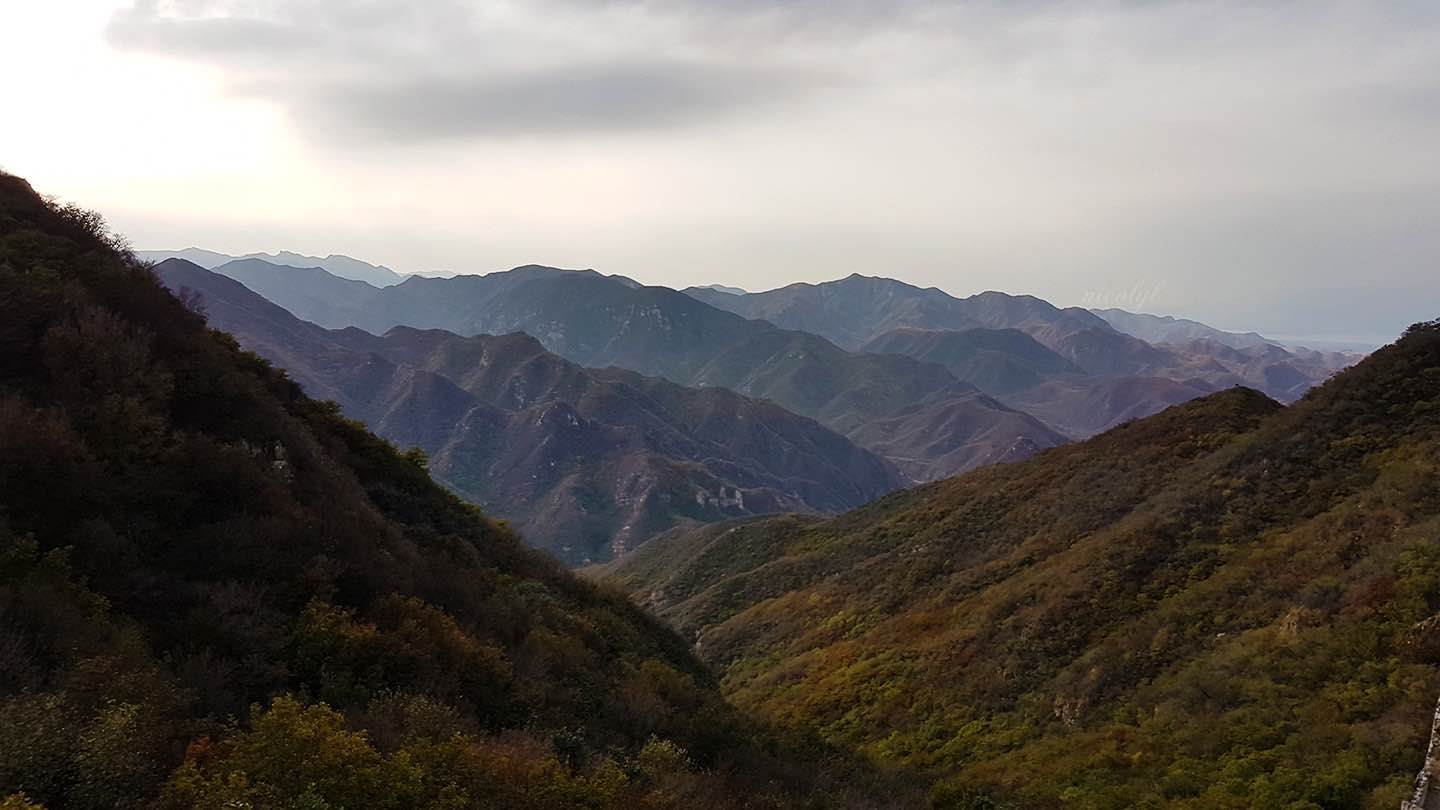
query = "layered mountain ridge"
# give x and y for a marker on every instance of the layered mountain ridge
(859, 311)
(997, 361)
(338, 265)
(1120, 365)
(586, 462)
(599, 321)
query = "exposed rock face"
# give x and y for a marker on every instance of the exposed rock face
(1427, 794)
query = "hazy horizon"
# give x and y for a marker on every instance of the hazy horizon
(1131, 301)
(1265, 167)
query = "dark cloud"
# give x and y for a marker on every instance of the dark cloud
(609, 97)
(392, 70)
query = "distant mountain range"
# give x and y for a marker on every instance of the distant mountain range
(586, 462)
(1164, 329)
(932, 384)
(857, 309)
(724, 289)
(335, 264)
(598, 321)
(997, 361)
(1100, 369)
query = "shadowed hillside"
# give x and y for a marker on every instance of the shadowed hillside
(218, 593)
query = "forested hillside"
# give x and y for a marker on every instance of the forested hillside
(1230, 604)
(215, 592)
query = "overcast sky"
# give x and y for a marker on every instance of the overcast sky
(1270, 166)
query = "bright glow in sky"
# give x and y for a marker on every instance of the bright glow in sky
(1265, 166)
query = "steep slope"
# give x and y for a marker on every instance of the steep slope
(997, 361)
(1227, 604)
(587, 463)
(186, 538)
(407, 405)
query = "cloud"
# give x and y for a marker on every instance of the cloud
(616, 96)
(1048, 147)
(144, 27)
(396, 71)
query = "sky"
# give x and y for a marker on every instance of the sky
(1256, 165)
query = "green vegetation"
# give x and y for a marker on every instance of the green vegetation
(216, 592)
(1226, 605)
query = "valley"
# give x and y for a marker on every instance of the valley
(993, 554)
(692, 405)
